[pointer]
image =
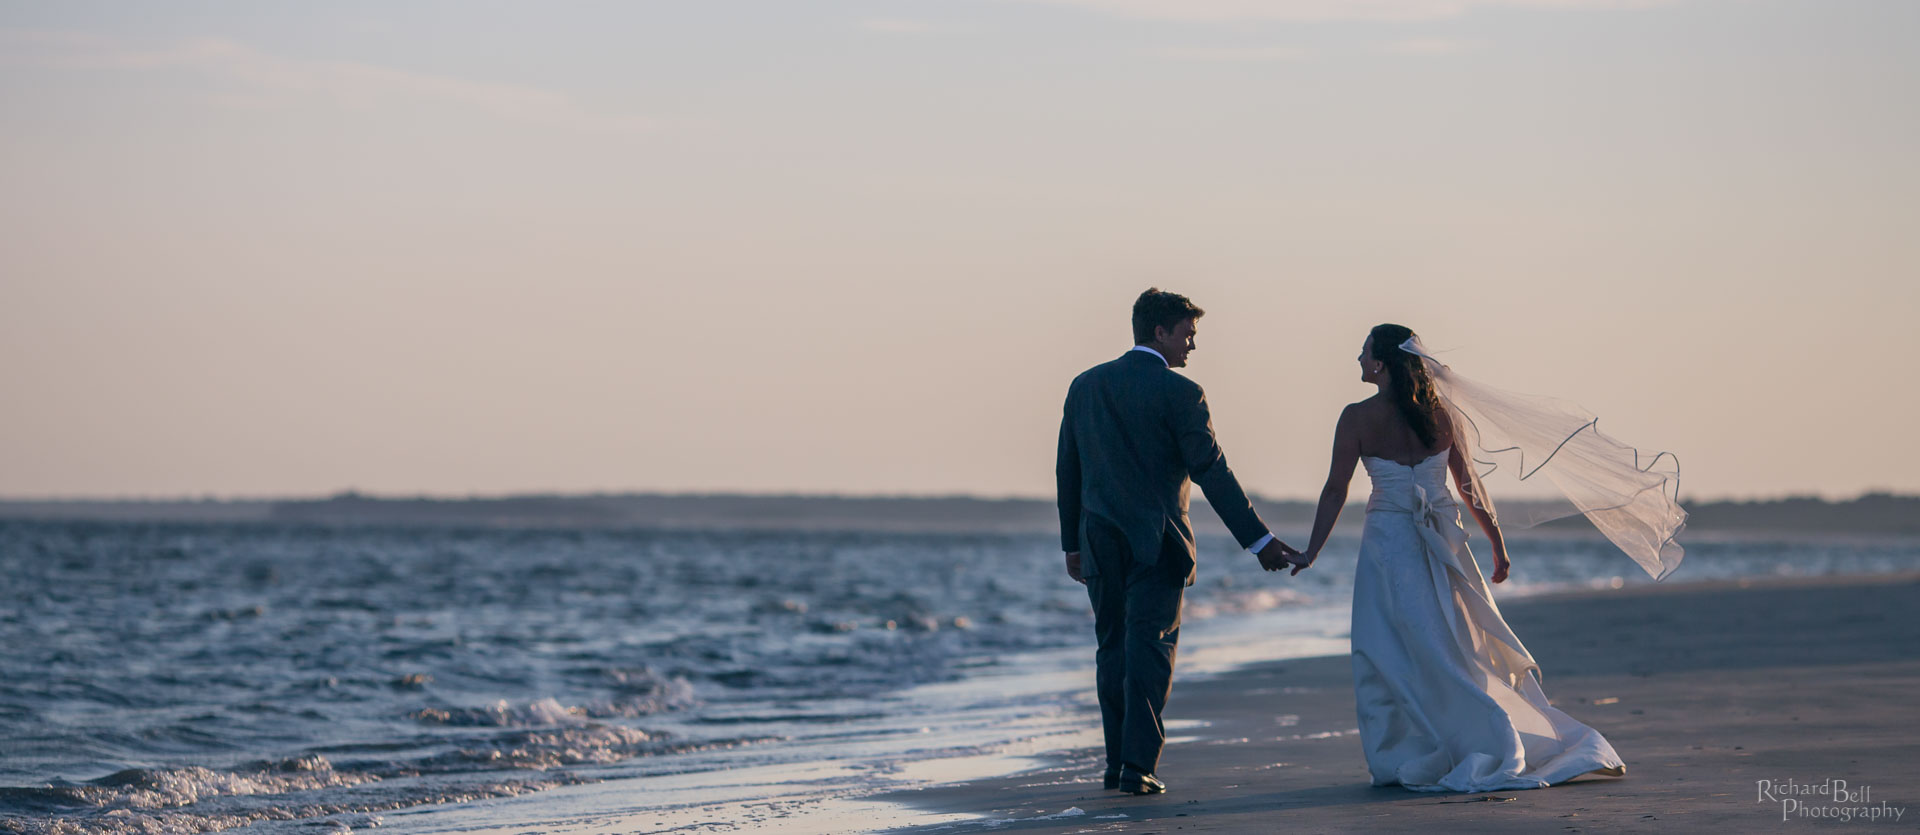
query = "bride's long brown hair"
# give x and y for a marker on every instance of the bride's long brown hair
(1413, 392)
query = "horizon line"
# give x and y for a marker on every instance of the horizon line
(210, 498)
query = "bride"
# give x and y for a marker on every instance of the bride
(1448, 698)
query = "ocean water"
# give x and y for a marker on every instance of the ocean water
(196, 678)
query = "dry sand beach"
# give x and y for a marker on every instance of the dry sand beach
(1706, 689)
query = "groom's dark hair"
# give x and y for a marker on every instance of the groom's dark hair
(1158, 308)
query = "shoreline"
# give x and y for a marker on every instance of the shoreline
(1706, 689)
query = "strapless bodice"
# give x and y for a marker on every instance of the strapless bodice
(1402, 488)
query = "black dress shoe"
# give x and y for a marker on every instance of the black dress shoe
(1111, 780)
(1140, 782)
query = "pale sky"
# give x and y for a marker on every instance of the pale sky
(276, 248)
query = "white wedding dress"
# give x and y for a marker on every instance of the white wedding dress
(1448, 699)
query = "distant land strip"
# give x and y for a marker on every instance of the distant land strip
(1877, 514)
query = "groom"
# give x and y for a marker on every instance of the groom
(1133, 435)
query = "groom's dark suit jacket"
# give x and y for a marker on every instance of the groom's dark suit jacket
(1133, 435)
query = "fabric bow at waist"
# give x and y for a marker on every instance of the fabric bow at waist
(1409, 498)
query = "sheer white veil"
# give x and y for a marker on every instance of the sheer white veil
(1632, 497)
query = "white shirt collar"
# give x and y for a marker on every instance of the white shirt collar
(1163, 358)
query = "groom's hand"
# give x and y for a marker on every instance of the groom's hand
(1073, 567)
(1274, 557)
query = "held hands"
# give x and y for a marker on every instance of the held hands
(1304, 560)
(1278, 556)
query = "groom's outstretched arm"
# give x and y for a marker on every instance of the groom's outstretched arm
(1207, 465)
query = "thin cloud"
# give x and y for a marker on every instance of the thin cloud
(1231, 55)
(906, 27)
(346, 82)
(1240, 10)
(1430, 47)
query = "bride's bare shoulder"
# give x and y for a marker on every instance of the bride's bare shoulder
(1370, 407)
(1365, 416)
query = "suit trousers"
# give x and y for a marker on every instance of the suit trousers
(1136, 619)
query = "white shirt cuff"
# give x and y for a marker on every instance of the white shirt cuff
(1259, 544)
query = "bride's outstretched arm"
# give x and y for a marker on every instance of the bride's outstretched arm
(1346, 454)
(1458, 463)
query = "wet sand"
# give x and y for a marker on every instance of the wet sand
(1704, 689)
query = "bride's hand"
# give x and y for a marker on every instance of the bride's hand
(1305, 559)
(1500, 566)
